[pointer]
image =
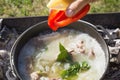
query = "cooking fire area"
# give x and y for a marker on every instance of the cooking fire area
(107, 24)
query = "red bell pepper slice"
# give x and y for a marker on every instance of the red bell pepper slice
(57, 18)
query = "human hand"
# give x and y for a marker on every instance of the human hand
(76, 6)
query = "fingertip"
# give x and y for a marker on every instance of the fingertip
(75, 7)
(69, 13)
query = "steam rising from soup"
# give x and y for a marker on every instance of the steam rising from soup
(37, 59)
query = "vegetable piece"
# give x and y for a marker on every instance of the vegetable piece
(85, 66)
(59, 4)
(75, 67)
(58, 18)
(64, 56)
(72, 71)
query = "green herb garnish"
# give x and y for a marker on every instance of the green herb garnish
(85, 66)
(75, 67)
(64, 56)
(72, 71)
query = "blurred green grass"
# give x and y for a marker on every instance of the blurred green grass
(20, 8)
(103, 6)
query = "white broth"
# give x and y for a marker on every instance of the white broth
(37, 59)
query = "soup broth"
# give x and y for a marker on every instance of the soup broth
(38, 58)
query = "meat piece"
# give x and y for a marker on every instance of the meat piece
(91, 54)
(80, 44)
(79, 48)
(82, 50)
(71, 51)
(35, 75)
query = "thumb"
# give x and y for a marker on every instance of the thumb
(75, 7)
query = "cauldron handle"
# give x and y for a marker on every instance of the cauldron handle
(110, 38)
(10, 75)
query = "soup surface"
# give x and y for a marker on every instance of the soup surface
(63, 55)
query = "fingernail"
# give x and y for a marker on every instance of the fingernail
(69, 12)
